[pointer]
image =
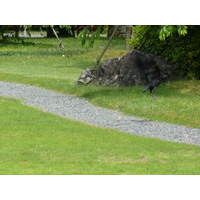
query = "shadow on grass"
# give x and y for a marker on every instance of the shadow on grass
(16, 42)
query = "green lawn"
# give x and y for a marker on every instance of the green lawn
(40, 62)
(33, 142)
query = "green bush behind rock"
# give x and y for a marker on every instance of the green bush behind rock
(182, 51)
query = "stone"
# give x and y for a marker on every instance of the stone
(134, 68)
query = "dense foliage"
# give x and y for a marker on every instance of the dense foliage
(13, 30)
(182, 50)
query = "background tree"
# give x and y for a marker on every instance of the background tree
(62, 31)
(107, 45)
(169, 30)
(178, 44)
(89, 34)
(12, 30)
(86, 35)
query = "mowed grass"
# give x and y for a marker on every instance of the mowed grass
(34, 142)
(41, 63)
(43, 58)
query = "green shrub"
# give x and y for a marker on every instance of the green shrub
(182, 51)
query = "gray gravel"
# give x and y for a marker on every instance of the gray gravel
(80, 109)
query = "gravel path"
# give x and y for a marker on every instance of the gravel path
(79, 109)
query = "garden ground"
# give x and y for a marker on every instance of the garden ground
(33, 142)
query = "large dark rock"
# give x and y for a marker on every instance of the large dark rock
(134, 68)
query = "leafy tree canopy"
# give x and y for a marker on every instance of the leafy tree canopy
(168, 30)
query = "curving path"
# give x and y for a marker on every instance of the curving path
(80, 109)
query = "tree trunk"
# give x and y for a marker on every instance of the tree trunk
(50, 33)
(128, 35)
(62, 32)
(60, 44)
(111, 28)
(109, 41)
